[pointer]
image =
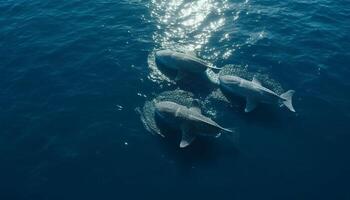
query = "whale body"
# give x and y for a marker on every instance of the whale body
(191, 121)
(254, 92)
(181, 62)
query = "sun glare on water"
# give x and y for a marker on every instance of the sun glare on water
(184, 26)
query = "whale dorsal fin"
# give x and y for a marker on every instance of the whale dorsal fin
(251, 105)
(256, 81)
(187, 137)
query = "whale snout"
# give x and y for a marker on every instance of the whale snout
(163, 53)
(162, 57)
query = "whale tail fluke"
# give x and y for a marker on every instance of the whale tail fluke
(287, 99)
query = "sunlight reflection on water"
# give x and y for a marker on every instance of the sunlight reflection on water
(187, 25)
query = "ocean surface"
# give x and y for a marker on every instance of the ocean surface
(76, 77)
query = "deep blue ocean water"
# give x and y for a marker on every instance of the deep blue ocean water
(73, 72)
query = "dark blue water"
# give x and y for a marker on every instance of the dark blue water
(73, 72)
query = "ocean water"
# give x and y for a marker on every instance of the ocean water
(75, 76)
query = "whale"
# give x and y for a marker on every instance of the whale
(190, 121)
(182, 63)
(254, 92)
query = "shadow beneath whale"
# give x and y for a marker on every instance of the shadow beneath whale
(202, 151)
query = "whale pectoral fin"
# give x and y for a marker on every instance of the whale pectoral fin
(218, 135)
(180, 75)
(256, 81)
(187, 137)
(251, 105)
